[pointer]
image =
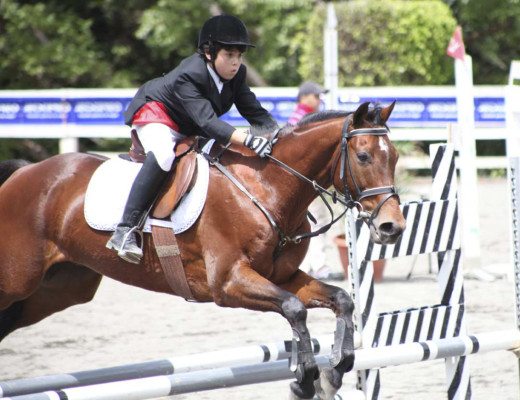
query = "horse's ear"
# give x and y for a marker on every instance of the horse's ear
(360, 114)
(385, 112)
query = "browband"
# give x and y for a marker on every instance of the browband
(367, 131)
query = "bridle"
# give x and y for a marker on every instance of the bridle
(345, 198)
(352, 201)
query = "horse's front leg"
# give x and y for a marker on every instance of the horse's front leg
(314, 293)
(245, 288)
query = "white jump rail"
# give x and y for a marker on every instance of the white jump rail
(244, 355)
(159, 386)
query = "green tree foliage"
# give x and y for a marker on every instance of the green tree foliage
(171, 28)
(491, 33)
(122, 43)
(384, 43)
(275, 26)
(40, 48)
(68, 43)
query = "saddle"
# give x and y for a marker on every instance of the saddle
(181, 179)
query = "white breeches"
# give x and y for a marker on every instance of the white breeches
(161, 141)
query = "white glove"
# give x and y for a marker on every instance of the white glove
(259, 144)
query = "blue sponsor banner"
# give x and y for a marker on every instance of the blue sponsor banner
(435, 111)
(87, 111)
(409, 111)
(280, 108)
(490, 111)
(98, 111)
(37, 110)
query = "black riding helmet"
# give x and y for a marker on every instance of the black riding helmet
(226, 30)
(222, 31)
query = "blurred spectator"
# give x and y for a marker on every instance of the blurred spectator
(309, 100)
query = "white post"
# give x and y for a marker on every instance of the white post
(512, 100)
(69, 145)
(467, 156)
(330, 46)
(512, 103)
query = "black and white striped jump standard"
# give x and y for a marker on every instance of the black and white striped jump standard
(431, 228)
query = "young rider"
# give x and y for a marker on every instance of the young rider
(187, 102)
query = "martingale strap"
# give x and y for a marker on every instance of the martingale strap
(215, 162)
(284, 238)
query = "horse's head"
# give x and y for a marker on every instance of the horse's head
(364, 172)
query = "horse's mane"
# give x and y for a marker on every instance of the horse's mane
(374, 116)
(320, 116)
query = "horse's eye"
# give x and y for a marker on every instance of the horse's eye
(363, 157)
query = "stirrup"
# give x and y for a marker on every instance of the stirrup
(136, 230)
(132, 257)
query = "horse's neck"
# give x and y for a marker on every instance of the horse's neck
(310, 153)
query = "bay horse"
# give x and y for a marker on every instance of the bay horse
(233, 256)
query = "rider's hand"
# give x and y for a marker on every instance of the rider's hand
(259, 144)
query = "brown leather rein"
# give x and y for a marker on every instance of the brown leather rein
(344, 198)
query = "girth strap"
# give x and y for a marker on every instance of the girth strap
(170, 256)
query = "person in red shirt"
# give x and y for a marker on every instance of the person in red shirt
(188, 101)
(309, 100)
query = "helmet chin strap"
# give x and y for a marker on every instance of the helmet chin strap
(220, 77)
(213, 56)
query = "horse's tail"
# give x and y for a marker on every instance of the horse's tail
(8, 167)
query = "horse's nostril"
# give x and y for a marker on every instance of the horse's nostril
(389, 229)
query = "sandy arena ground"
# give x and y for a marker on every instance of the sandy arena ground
(127, 325)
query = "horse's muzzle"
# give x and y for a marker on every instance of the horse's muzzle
(387, 232)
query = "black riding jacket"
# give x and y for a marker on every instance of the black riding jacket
(194, 103)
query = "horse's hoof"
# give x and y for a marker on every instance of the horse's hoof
(328, 384)
(348, 362)
(301, 391)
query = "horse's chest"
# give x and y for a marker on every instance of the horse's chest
(287, 263)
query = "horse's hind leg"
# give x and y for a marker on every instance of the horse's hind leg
(314, 293)
(64, 285)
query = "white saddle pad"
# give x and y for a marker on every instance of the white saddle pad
(110, 186)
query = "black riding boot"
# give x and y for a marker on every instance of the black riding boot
(144, 190)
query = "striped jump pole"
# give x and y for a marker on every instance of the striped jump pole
(222, 358)
(432, 228)
(153, 387)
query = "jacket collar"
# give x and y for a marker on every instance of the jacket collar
(219, 84)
